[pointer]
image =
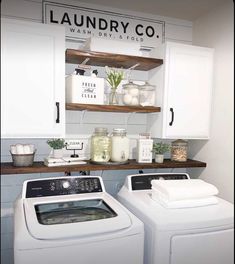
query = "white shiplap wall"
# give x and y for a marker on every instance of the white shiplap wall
(175, 30)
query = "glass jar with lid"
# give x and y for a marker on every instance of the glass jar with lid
(119, 145)
(147, 94)
(130, 95)
(100, 145)
(179, 149)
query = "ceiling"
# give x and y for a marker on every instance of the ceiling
(182, 9)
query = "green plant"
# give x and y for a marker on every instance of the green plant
(114, 77)
(56, 143)
(160, 148)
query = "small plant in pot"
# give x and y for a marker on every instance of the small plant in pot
(159, 149)
(57, 145)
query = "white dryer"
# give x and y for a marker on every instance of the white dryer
(73, 220)
(199, 235)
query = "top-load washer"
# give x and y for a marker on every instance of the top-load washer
(73, 220)
(199, 235)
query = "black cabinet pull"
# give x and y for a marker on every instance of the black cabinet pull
(58, 112)
(172, 116)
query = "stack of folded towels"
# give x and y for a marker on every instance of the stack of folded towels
(184, 193)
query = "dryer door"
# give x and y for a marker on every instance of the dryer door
(205, 248)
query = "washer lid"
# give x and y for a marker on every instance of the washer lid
(141, 203)
(76, 216)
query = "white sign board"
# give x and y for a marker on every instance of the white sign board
(82, 23)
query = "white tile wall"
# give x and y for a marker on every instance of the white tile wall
(11, 185)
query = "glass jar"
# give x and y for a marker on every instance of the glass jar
(120, 145)
(100, 145)
(179, 150)
(130, 94)
(147, 94)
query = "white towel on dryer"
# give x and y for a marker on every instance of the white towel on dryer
(189, 203)
(176, 190)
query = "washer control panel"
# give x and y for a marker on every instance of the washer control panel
(63, 186)
(143, 181)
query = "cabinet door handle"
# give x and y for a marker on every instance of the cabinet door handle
(172, 117)
(58, 112)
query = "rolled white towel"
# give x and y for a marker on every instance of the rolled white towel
(13, 149)
(175, 190)
(27, 149)
(19, 149)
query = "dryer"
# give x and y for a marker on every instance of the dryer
(73, 220)
(179, 236)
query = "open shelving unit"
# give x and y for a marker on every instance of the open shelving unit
(112, 60)
(39, 167)
(112, 108)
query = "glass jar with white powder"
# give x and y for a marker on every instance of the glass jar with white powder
(119, 145)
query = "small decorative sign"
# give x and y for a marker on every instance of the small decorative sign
(84, 89)
(82, 23)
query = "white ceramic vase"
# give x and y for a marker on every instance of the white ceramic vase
(159, 158)
(57, 153)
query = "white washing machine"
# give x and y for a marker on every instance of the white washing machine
(199, 235)
(73, 220)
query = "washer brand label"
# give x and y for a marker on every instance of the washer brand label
(82, 23)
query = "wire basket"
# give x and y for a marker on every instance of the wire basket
(23, 160)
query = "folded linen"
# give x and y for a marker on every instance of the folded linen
(190, 203)
(176, 190)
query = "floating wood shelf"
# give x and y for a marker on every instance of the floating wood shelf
(39, 167)
(112, 60)
(112, 108)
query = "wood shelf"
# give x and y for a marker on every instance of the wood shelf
(39, 167)
(112, 60)
(112, 108)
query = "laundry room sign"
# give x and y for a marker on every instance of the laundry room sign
(82, 23)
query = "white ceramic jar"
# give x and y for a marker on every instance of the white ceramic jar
(119, 145)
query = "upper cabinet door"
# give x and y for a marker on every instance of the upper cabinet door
(32, 80)
(186, 93)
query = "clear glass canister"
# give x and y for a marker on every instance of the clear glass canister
(120, 145)
(100, 145)
(179, 149)
(130, 94)
(147, 94)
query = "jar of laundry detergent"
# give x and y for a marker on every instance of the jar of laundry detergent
(120, 145)
(100, 145)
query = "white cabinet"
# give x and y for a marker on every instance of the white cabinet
(184, 92)
(32, 80)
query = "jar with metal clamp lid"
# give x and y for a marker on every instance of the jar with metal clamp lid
(120, 145)
(100, 145)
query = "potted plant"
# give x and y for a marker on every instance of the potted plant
(159, 150)
(57, 145)
(114, 78)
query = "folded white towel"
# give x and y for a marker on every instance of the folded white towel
(175, 190)
(190, 203)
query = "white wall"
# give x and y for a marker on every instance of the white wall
(216, 30)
